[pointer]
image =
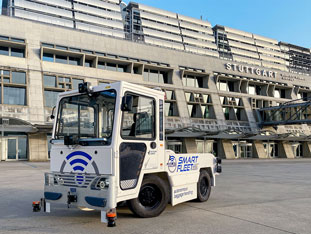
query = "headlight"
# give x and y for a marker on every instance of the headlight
(49, 179)
(100, 184)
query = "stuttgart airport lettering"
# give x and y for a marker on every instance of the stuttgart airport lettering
(250, 70)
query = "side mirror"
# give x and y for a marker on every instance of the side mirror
(127, 103)
(52, 116)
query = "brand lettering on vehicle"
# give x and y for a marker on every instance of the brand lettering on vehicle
(187, 163)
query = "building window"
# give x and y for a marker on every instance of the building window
(12, 47)
(200, 105)
(55, 84)
(233, 108)
(226, 85)
(156, 76)
(13, 87)
(170, 103)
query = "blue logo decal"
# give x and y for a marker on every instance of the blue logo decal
(171, 164)
(79, 161)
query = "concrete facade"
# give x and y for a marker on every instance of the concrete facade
(211, 104)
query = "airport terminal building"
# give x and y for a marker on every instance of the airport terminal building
(215, 78)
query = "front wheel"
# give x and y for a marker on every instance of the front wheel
(204, 186)
(152, 198)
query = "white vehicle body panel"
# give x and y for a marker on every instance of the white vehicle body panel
(97, 162)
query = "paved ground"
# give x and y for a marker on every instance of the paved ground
(252, 196)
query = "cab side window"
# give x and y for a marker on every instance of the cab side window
(140, 121)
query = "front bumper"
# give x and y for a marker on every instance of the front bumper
(77, 190)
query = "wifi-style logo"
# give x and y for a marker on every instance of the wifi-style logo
(79, 160)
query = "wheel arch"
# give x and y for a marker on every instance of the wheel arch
(210, 172)
(164, 176)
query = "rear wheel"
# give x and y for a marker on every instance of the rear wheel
(204, 186)
(152, 198)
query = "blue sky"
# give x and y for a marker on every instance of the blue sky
(283, 20)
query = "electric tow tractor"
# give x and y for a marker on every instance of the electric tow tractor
(108, 146)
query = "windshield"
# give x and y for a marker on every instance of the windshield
(87, 117)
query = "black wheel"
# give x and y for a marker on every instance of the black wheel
(204, 186)
(152, 199)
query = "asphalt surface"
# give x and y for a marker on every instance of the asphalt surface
(252, 196)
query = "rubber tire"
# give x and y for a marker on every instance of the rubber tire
(141, 211)
(204, 176)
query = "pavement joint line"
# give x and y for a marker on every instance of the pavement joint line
(30, 165)
(245, 220)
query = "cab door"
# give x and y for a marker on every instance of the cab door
(138, 147)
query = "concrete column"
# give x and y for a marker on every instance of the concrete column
(219, 114)
(191, 146)
(259, 150)
(285, 150)
(38, 147)
(225, 150)
(249, 113)
(306, 147)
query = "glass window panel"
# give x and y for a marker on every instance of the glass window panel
(14, 95)
(61, 59)
(6, 80)
(277, 93)
(48, 45)
(18, 52)
(74, 50)
(68, 86)
(165, 77)
(252, 90)
(11, 148)
(184, 81)
(139, 123)
(122, 68)
(63, 79)
(4, 50)
(222, 85)
(146, 75)
(18, 40)
(161, 78)
(6, 73)
(154, 76)
(188, 97)
(61, 47)
(169, 95)
(101, 65)
(22, 148)
(4, 38)
(48, 57)
(74, 61)
(50, 98)
(49, 81)
(19, 77)
(191, 82)
(75, 83)
(88, 63)
(111, 67)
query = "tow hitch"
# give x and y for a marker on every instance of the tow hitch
(71, 198)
